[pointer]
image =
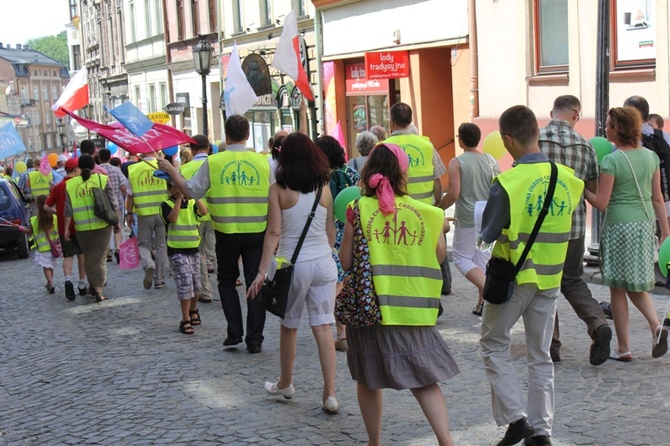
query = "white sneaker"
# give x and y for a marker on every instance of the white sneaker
(330, 405)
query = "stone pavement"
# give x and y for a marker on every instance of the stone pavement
(120, 373)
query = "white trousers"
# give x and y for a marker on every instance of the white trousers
(538, 309)
(464, 252)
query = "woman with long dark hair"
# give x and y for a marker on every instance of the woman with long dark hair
(92, 232)
(303, 170)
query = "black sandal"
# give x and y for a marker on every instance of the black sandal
(195, 320)
(186, 328)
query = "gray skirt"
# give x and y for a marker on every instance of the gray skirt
(398, 357)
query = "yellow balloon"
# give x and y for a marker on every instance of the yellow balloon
(20, 167)
(493, 145)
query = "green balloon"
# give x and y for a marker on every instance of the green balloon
(602, 147)
(343, 199)
(664, 257)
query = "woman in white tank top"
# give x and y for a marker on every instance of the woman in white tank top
(302, 170)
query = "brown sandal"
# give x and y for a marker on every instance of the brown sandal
(195, 320)
(186, 328)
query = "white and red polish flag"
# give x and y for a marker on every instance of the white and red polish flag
(75, 95)
(287, 56)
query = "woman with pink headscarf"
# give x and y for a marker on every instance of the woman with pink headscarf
(404, 350)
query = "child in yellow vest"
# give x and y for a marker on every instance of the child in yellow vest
(180, 216)
(44, 230)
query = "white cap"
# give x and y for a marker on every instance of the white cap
(62, 158)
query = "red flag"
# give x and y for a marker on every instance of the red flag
(287, 56)
(158, 138)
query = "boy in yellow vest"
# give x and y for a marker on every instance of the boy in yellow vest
(180, 216)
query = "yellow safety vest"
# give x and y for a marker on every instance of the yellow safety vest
(39, 184)
(41, 238)
(420, 169)
(526, 186)
(183, 233)
(81, 199)
(405, 271)
(188, 170)
(238, 191)
(148, 191)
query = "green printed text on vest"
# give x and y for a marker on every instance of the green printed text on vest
(420, 167)
(39, 184)
(405, 270)
(238, 192)
(81, 199)
(526, 186)
(148, 191)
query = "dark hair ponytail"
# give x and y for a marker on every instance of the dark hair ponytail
(86, 163)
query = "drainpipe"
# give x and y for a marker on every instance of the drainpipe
(318, 34)
(474, 66)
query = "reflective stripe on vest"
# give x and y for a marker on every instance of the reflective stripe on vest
(238, 191)
(526, 186)
(81, 199)
(420, 170)
(405, 270)
(188, 170)
(148, 191)
(39, 184)
(40, 237)
(183, 233)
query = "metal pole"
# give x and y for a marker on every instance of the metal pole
(602, 102)
(205, 129)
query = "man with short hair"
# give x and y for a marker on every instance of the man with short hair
(379, 132)
(145, 194)
(200, 152)
(23, 178)
(55, 204)
(239, 216)
(516, 199)
(562, 144)
(117, 182)
(87, 147)
(424, 170)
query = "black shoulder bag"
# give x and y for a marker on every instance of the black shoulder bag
(500, 273)
(274, 292)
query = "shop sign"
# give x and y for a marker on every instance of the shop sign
(358, 84)
(387, 64)
(258, 75)
(159, 117)
(175, 108)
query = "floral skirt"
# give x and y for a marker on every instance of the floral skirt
(626, 255)
(398, 357)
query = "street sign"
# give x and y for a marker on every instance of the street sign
(175, 108)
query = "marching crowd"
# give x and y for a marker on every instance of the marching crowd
(378, 271)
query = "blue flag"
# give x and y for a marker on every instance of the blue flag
(10, 141)
(131, 118)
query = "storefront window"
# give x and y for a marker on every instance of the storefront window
(262, 123)
(362, 113)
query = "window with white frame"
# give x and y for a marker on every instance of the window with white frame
(265, 8)
(147, 18)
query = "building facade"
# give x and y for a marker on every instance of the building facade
(37, 81)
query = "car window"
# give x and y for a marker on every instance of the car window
(4, 198)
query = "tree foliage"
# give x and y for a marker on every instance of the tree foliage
(52, 46)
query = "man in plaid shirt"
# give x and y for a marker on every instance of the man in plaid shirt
(117, 182)
(562, 144)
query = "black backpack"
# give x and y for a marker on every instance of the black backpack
(657, 144)
(339, 181)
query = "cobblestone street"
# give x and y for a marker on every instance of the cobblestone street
(120, 373)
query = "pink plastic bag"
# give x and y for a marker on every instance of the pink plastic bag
(129, 254)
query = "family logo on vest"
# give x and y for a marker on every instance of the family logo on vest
(83, 191)
(561, 204)
(405, 227)
(240, 173)
(147, 178)
(414, 154)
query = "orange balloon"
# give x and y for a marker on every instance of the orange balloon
(53, 159)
